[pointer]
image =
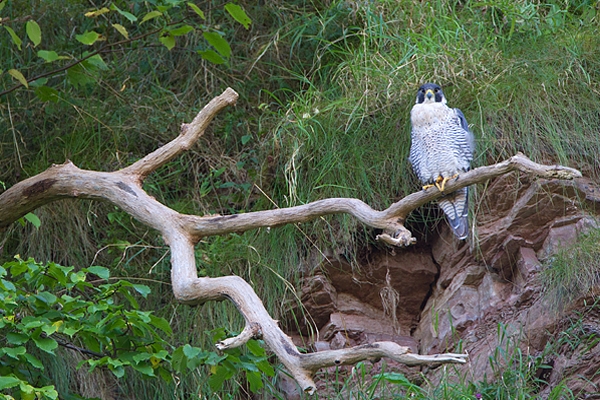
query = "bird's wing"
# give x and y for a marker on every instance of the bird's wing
(418, 158)
(469, 137)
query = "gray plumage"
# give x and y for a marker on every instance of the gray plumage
(442, 147)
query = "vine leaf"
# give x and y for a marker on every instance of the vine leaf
(33, 32)
(217, 41)
(238, 14)
(88, 38)
(197, 10)
(18, 76)
(151, 15)
(15, 38)
(121, 29)
(95, 13)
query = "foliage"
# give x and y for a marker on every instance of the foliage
(515, 373)
(325, 91)
(47, 306)
(116, 25)
(573, 272)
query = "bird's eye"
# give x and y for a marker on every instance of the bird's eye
(436, 90)
(422, 90)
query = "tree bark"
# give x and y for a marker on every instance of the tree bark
(181, 232)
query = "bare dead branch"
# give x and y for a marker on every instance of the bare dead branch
(181, 232)
(188, 136)
(374, 351)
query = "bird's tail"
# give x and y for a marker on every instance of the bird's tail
(456, 207)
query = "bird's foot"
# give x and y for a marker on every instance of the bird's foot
(425, 187)
(440, 182)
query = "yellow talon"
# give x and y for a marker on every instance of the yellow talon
(440, 182)
(427, 187)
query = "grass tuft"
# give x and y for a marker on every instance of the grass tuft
(573, 272)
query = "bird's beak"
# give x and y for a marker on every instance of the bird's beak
(429, 93)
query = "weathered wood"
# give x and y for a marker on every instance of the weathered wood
(181, 232)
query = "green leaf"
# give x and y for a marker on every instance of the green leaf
(95, 62)
(142, 289)
(221, 374)
(49, 392)
(56, 271)
(16, 40)
(191, 352)
(8, 382)
(16, 338)
(145, 369)
(178, 360)
(18, 76)
(121, 29)
(49, 329)
(31, 322)
(246, 138)
(33, 361)
(88, 38)
(213, 358)
(165, 375)
(238, 14)
(2, 4)
(217, 41)
(78, 276)
(161, 324)
(255, 381)
(27, 391)
(46, 297)
(151, 15)
(255, 348)
(394, 377)
(266, 368)
(34, 32)
(101, 272)
(40, 82)
(197, 10)
(212, 56)
(182, 30)
(48, 56)
(8, 285)
(91, 343)
(33, 219)
(128, 15)
(14, 352)
(68, 330)
(17, 268)
(141, 357)
(116, 367)
(168, 41)
(46, 344)
(96, 13)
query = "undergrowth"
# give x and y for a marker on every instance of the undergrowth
(573, 272)
(325, 94)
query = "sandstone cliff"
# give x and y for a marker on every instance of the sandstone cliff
(476, 296)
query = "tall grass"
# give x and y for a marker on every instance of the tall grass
(573, 272)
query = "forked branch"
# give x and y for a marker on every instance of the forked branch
(181, 232)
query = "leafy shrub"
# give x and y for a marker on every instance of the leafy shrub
(47, 306)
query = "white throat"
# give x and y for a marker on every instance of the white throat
(426, 114)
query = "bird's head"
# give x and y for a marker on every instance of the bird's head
(430, 93)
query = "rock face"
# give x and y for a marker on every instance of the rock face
(481, 295)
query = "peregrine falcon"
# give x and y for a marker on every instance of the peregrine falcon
(442, 147)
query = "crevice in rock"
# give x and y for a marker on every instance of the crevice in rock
(450, 291)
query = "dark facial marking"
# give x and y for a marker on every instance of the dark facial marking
(437, 90)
